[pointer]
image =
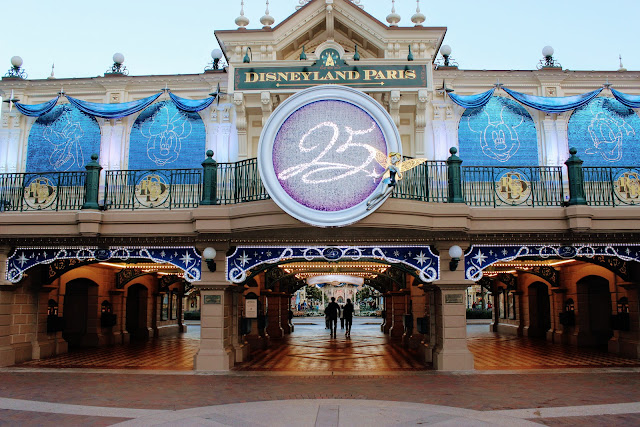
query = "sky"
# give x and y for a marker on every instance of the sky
(176, 37)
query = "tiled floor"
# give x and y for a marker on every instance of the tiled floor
(500, 352)
(310, 349)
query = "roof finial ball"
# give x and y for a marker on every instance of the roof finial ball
(548, 60)
(418, 18)
(267, 20)
(242, 21)
(393, 18)
(15, 70)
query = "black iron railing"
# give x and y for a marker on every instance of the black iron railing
(51, 191)
(148, 189)
(240, 182)
(611, 186)
(512, 186)
(426, 182)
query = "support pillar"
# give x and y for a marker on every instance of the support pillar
(240, 345)
(451, 352)
(274, 314)
(398, 309)
(216, 352)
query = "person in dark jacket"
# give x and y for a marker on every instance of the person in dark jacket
(331, 312)
(347, 314)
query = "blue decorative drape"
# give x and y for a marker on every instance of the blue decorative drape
(191, 105)
(113, 111)
(631, 101)
(37, 110)
(556, 105)
(472, 101)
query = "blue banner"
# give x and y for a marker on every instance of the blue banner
(246, 258)
(37, 110)
(185, 258)
(113, 111)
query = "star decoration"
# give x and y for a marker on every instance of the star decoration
(491, 252)
(244, 259)
(396, 253)
(175, 254)
(186, 259)
(480, 258)
(269, 253)
(421, 258)
(163, 254)
(22, 259)
(504, 252)
(628, 251)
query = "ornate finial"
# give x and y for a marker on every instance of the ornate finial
(621, 66)
(393, 18)
(242, 21)
(267, 20)
(418, 18)
(16, 69)
(52, 76)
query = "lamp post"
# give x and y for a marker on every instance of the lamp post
(16, 71)
(455, 252)
(209, 255)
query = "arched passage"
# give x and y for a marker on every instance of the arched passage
(136, 312)
(594, 311)
(81, 313)
(539, 310)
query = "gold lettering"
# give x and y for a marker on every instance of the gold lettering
(295, 76)
(328, 76)
(341, 74)
(354, 75)
(283, 76)
(392, 74)
(306, 75)
(380, 75)
(368, 74)
(316, 75)
(271, 77)
(329, 62)
(251, 77)
(261, 77)
(410, 74)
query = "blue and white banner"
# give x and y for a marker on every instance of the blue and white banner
(246, 258)
(185, 258)
(479, 257)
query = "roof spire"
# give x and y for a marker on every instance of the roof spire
(621, 66)
(418, 18)
(393, 18)
(242, 21)
(267, 20)
(52, 76)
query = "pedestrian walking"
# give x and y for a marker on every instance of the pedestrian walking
(331, 312)
(347, 315)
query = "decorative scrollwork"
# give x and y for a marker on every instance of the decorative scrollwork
(117, 69)
(16, 72)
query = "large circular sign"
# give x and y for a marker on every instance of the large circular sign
(322, 154)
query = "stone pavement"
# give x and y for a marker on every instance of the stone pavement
(106, 397)
(322, 382)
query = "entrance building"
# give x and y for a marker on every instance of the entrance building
(328, 144)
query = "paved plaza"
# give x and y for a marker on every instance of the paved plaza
(315, 381)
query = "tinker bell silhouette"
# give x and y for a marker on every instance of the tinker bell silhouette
(394, 166)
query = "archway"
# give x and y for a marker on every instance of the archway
(136, 314)
(594, 310)
(81, 313)
(539, 310)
